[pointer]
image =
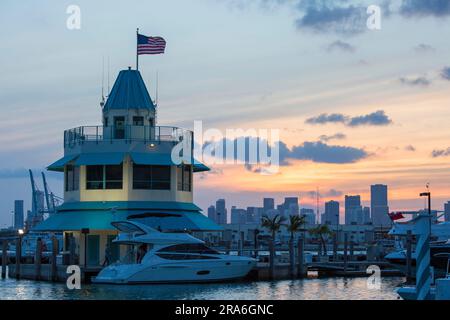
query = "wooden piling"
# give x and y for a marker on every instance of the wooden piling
(38, 259)
(409, 277)
(272, 259)
(18, 256)
(335, 247)
(4, 258)
(301, 272)
(291, 258)
(352, 250)
(345, 251)
(55, 251)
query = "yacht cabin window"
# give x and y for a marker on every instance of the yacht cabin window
(184, 178)
(104, 177)
(147, 177)
(72, 179)
(138, 121)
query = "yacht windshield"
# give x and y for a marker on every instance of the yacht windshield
(189, 248)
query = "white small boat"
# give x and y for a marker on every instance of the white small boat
(169, 258)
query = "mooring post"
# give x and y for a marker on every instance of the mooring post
(272, 259)
(335, 247)
(352, 250)
(18, 256)
(345, 251)
(55, 251)
(37, 259)
(4, 257)
(72, 250)
(241, 243)
(291, 258)
(409, 256)
(301, 258)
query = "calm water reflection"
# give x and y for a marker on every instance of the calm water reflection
(323, 289)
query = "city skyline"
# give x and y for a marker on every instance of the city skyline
(346, 102)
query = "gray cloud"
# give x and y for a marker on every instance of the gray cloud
(327, 193)
(437, 8)
(445, 73)
(378, 118)
(440, 153)
(332, 16)
(327, 118)
(317, 151)
(341, 46)
(421, 81)
(424, 48)
(336, 136)
(323, 153)
(410, 148)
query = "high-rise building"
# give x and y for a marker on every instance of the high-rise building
(331, 215)
(221, 211)
(310, 216)
(212, 213)
(18, 214)
(291, 206)
(447, 211)
(351, 203)
(238, 216)
(379, 205)
(366, 216)
(268, 204)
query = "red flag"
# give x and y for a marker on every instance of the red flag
(396, 216)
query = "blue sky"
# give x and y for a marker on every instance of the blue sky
(257, 63)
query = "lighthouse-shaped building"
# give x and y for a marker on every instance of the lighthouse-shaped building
(123, 169)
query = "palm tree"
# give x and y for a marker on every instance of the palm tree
(295, 225)
(273, 225)
(322, 231)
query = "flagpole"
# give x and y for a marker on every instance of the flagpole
(137, 43)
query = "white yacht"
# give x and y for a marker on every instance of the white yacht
(168, 258)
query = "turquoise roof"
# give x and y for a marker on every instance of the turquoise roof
(129, 92)
(167, 215)
(108, 158)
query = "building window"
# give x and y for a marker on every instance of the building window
(104, 177)
(184, 178)
(138, 121)
(106, 121)
(72, 178)
(151, 177)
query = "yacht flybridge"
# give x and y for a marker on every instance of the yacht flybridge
(159, 257)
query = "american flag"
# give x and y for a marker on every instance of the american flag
(150, 45)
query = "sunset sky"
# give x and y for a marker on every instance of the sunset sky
(354, 106)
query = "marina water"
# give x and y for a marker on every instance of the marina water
(306, 289)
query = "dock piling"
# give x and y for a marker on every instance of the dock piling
(18, 256)
(272, 259)
(301, 273)
(37, 259)
(409, 277)
(4, 258)
(345, 251)
(55, 251)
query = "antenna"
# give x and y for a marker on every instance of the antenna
(108, 79)
(317, 205)
(102, 103)
(157, 87)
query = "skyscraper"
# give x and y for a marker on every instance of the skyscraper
(212, 213)
(331, 214)
(379, 205)
(18, 214)
(447, 211)
(221, 211)
(238, 216)
(310, 216)
(268, 204)
(351, 203)
(290, 206)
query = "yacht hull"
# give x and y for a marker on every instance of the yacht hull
(185, 272)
